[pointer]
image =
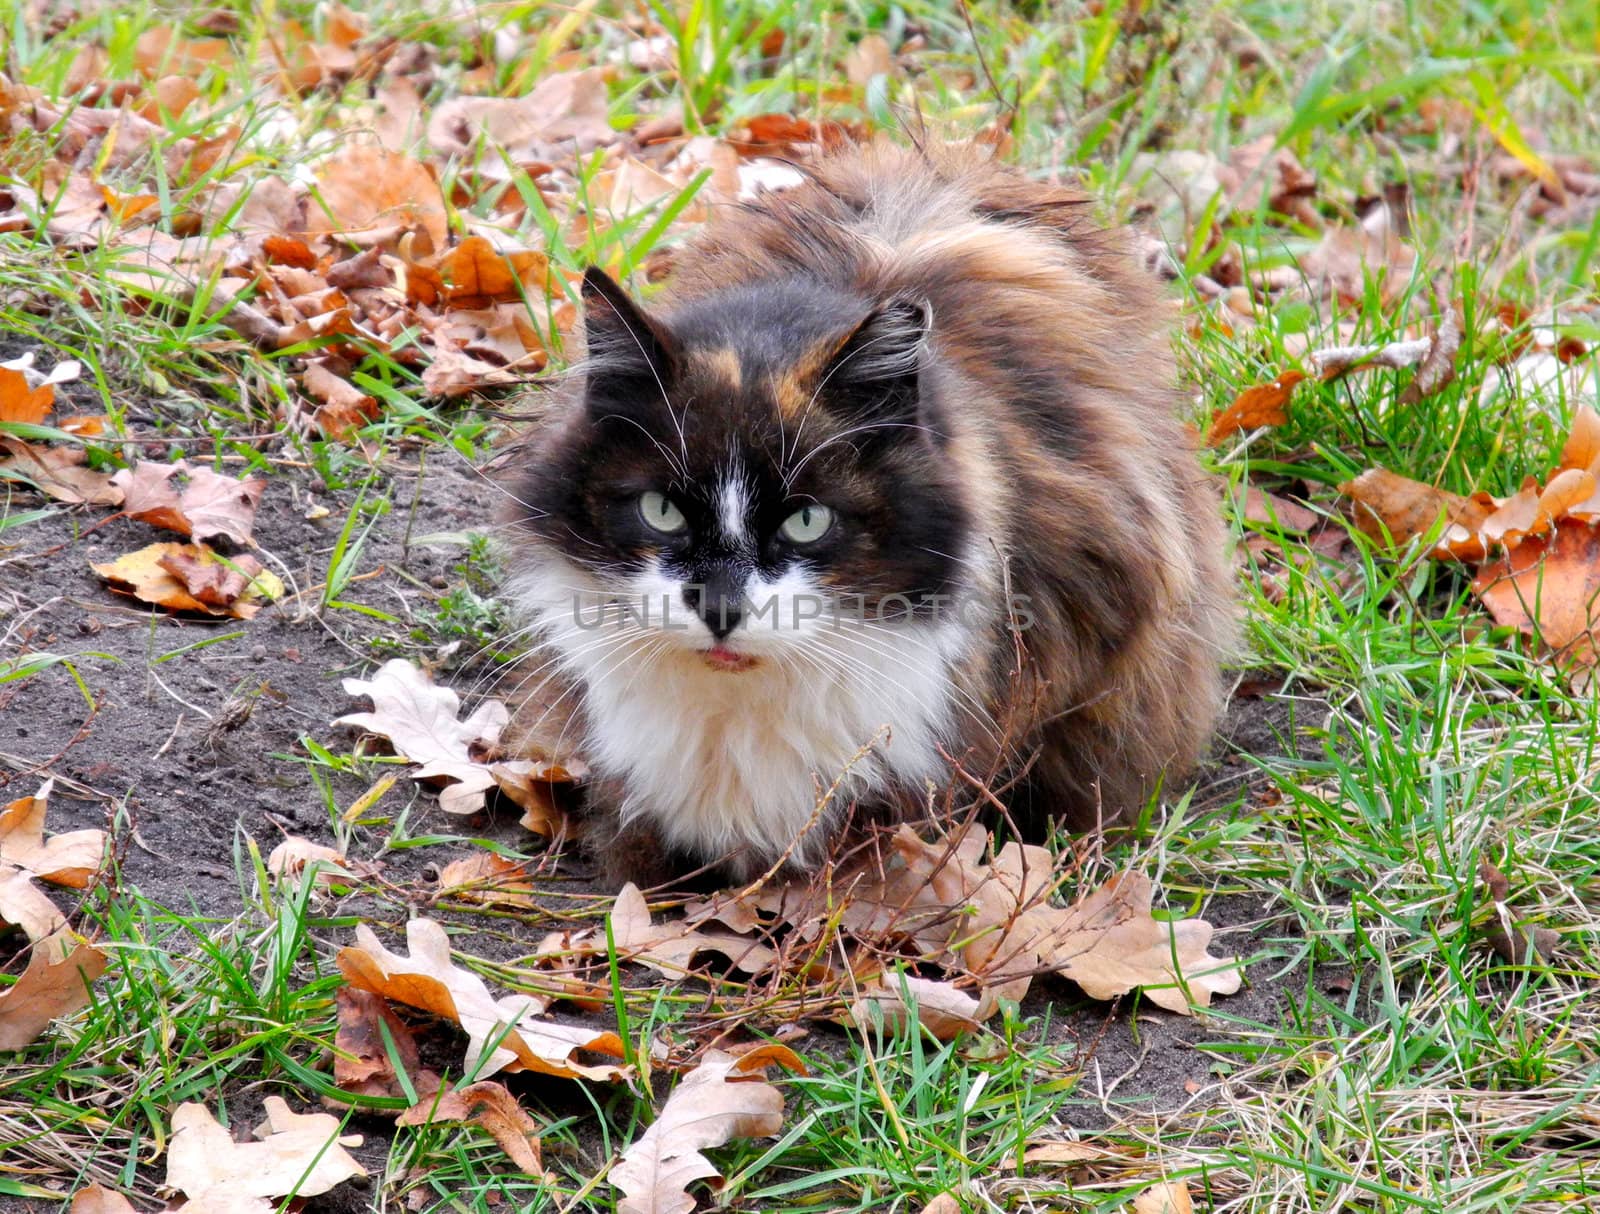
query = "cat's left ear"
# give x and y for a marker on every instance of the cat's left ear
(878, 367)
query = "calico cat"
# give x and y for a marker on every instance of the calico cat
(889, 481)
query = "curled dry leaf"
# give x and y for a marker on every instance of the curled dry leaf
(722, 1098)
(942, 1008)
(54, 984)
(23, 904)
(1262, 405)
(1515, 943)
(344, 408)
(428, 980)
(208, 503)
(295, 858)
(191, 577)
(489, 1105)
(363, 1063)
(70, 859)
(566, 111)
(299, 1154)
(672, 948)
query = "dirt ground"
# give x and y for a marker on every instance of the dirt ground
(184, 757)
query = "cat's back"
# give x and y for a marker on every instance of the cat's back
(1021, 279)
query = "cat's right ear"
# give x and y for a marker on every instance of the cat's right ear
(627, 351)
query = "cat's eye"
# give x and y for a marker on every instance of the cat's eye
(661, 513)
(807, 525)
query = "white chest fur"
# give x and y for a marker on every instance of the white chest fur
(723, 762)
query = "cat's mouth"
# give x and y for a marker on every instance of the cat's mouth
(720, 657)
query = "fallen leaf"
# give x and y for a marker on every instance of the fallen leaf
(295, 857)
(565, 113)
(868, 58)
(419, 719)
(207, 504)
(489, 1105)
(710, 1106)
(1549, 587)
(362, 1061)
(148, 575)
(1262, 405)
(942, 1008)
(1273, 511)
(1169, 1197)
(345, 408)
(671, 948)
(21, 403)
(487, 878)
(97, 1200)
(70, 859)
(428, 980)
(301, 1154)
(23, 904)
(476, 274)
(51, 987)
(367, 189)
(1395, 509)
(58, 472)
(1515, 943)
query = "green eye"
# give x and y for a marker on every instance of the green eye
(807, 525)
(661, 514)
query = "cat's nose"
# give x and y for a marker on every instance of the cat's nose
(719, 601)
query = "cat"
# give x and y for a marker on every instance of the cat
(887, 488)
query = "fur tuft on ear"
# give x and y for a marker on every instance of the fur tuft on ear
(887, 346)
(624, 345)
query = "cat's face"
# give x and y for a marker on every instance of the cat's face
(747, 473)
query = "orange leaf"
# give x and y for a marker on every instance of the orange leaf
(288, 251)
(20, 403)
(366, 189)
(1582, 448)
(1262, 405)
(477, 273)
(1390, 507)
(1548, 587)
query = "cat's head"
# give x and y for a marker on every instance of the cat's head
(746, 469)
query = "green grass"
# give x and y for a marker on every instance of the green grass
(1401, 1065)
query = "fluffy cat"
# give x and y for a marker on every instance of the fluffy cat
(889, 479)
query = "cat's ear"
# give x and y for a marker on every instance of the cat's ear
(877, 369)
(625, 347)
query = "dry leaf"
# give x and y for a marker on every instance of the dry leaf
(710, 1106)
(295, 856)
(419, 719)
(367, 189)
(1394, 508)
(345, 408)
(1262, 405)
(1548, 587)
(487, 878)
(672, 948)
(362, 1064)
(565, 113)
(21, 403)
(209, 503)
(58, 472)
(942, 1008)
(52, 986)
(97, 1200)
(868, 58)
(298, 1153)
(428, 980)
(71, 859)
(1274, 511)
(23, 904)
(1169, 1197)
(477, 274)
(487, 1104)
(149, 576)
